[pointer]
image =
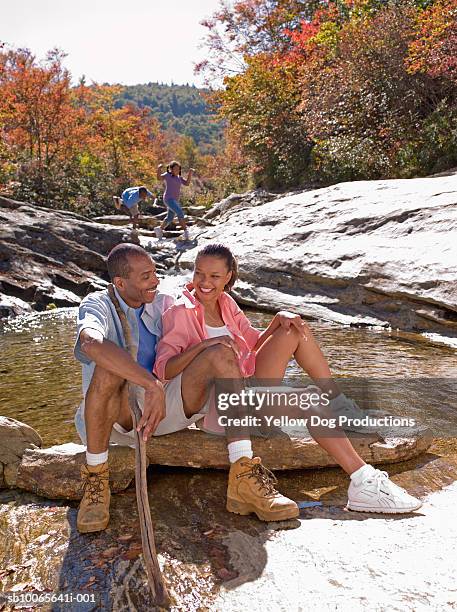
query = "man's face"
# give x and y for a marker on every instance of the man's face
(141, 285)
(143, 195)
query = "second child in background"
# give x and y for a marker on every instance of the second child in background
(129, 201)
(173, 181)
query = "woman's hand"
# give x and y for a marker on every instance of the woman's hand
(224, 340)
(289, 319)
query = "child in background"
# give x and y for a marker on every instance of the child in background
(173, 181)
(128, 202)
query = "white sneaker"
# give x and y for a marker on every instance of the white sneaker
(377, 493)
(158, 232)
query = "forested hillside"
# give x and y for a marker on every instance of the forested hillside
(181, 107)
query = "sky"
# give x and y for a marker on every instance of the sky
(113, 41)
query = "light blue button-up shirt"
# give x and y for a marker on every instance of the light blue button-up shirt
(131, 196)
(97, 311)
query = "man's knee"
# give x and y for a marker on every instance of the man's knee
(106, 383)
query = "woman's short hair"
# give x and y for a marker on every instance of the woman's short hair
(223, 252)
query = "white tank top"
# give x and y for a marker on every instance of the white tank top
(214, 332)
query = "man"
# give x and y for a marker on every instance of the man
(129, 201)
(104, 415)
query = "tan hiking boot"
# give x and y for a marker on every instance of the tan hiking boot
(251, 489)
(93, 513)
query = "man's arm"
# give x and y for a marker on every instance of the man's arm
(117, 360)
(113, 358)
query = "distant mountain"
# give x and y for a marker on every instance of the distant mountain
(181, 107)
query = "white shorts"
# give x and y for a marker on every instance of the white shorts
(174, 420)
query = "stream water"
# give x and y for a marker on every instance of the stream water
(196, 539)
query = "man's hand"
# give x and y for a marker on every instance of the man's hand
(225, 340)
(289, 319)
(154, 409)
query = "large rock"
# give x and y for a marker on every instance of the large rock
(366, 253)
(54, 472)
(290, 450)
(15, 438)
(49, 256)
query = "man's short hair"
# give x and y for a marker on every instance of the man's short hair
(142, 190)
(118, 259)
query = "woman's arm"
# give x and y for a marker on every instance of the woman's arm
(175, 365)
(159, 172)
(188, 180)
(282, 319)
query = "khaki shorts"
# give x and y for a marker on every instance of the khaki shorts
(175, 418)
(133, 211)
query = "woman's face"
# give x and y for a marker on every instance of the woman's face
(175, 169)
(210, 277)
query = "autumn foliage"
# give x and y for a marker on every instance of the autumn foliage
(337, 90)
(72, 147)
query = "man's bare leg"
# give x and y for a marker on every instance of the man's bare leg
(106, 394)
(105, 397)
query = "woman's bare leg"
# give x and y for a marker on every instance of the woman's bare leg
(271, 362)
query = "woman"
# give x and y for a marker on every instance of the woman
(208, 316)
(173, 181)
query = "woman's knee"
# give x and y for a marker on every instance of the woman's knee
(221, 358)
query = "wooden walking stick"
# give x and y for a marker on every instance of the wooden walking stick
(155, 578)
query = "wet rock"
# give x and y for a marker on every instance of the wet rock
(370, 253)
(12, 306)
(54, 472)
(15, 438)
(50, 256)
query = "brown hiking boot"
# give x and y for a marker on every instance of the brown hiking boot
(251, 489)
(93, 513)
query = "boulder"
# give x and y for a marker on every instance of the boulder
(286, 450)
(367, 253)
(15, 438)
(54, 472)
(50, 256)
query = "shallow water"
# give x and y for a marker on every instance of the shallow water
(199, 543)
(41, 380)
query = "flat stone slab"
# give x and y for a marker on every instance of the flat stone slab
(288, 450)
(54, 472)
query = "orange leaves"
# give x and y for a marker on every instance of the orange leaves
(434, 49)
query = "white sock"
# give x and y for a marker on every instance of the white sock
(362, 473)
(96, 458)
(241, 448)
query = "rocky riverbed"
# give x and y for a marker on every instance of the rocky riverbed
(365, 253)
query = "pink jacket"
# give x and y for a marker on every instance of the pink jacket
(184, 326)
